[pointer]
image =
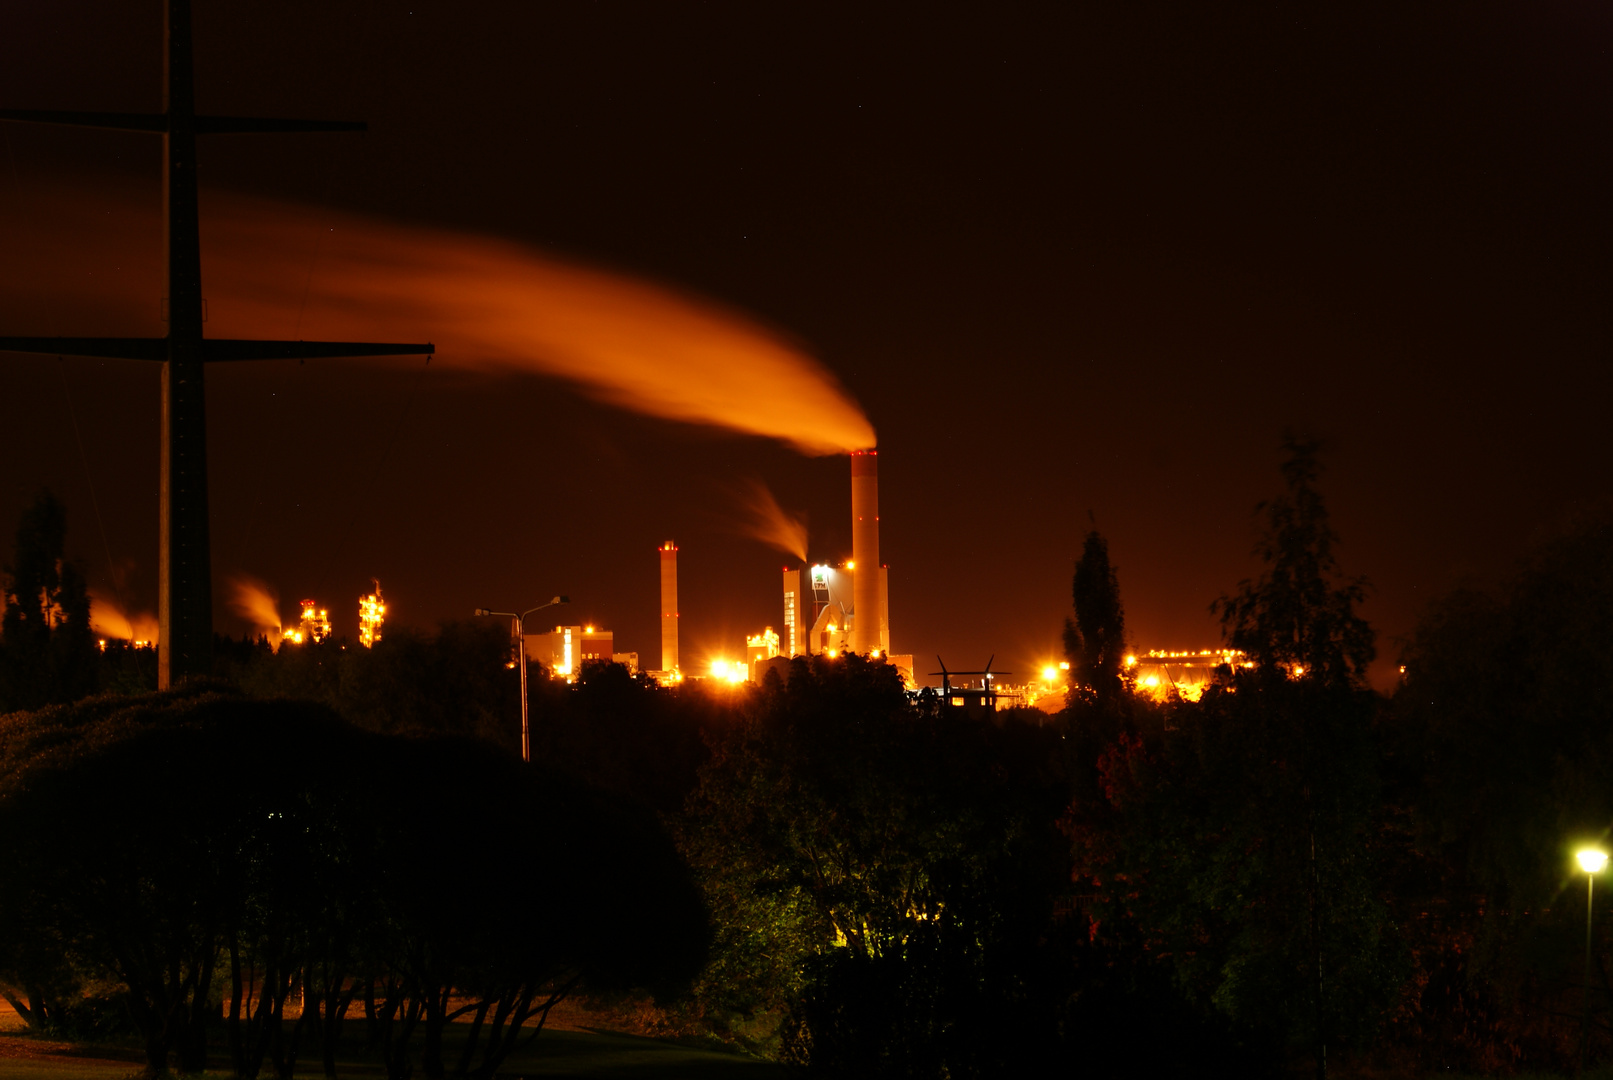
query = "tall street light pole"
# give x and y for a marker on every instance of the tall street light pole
(1592, 861)
(520, 661)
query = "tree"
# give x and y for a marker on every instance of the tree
(1241, 845)
(1300, 612)
(301, 853)
(1095, 639)
(47, 653)
(882, 876)
(1503, 742)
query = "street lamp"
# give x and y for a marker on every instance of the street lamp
(1592, 861)
(520, 661)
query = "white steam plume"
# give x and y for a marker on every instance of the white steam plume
(767, 521)
(110, 621)
(257, 604)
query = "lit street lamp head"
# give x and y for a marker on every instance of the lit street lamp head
(1591, 860)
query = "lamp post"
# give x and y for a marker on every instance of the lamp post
(520, 661)
(1592, 861)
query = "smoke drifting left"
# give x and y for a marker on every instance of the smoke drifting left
(257, 604)
(281, 271)
(765, 520)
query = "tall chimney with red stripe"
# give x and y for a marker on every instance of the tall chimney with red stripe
(669, 607)
(865, 593)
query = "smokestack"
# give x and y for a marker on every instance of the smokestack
(669, 606)
(865, 591)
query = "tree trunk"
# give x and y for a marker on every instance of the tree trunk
(436, 1020)
(156, 1055)
(193, 1039)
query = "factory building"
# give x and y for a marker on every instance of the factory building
(313, 626)
(820, 612)
(563, 649)
(1158, 673)
(371, 614)
(760, 648)
(831, 609)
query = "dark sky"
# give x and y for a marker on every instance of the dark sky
(1070, 258)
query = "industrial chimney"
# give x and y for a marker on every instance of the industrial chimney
(865, 591)
(669, 607)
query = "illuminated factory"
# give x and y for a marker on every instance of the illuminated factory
(1158, 672)
(829, 610)
(371, 614)
(313, 626)
(564, 650)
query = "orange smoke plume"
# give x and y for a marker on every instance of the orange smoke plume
(275, 270)
(108, 620)
(255, 602)
(768, 522)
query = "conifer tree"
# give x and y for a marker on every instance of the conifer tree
(1095, 639)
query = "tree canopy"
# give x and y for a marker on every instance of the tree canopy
(151, 840)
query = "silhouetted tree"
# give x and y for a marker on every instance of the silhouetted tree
(883, 876)
(301, 853)
(1504, 739)
(1095, 638)
(1242, 844)
(47, 653)
(1301, 611)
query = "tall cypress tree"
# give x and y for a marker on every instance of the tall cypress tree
(1095, 639)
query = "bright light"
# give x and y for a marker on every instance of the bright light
(1591, 860)
(850, 565)
(830, 653)
(1064, 665)
(1131, 661)
(1050, 673)
(1152, 680)
(735, 672)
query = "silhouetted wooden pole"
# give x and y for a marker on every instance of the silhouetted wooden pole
(184, 553)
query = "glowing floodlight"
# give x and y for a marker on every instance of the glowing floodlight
(1591, 860)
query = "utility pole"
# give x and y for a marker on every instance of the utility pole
(518, 628)
(184, 575)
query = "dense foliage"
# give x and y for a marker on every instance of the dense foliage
(46, 651)
(883, 876)
(202, 850)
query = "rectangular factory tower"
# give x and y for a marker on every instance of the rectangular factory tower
(669, 607)
(870, 620)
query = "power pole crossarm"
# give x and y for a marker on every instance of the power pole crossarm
(201, 125)
(214, 350)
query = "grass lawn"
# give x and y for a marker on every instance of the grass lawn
(585, 1055)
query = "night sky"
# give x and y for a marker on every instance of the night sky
(1071, 260)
